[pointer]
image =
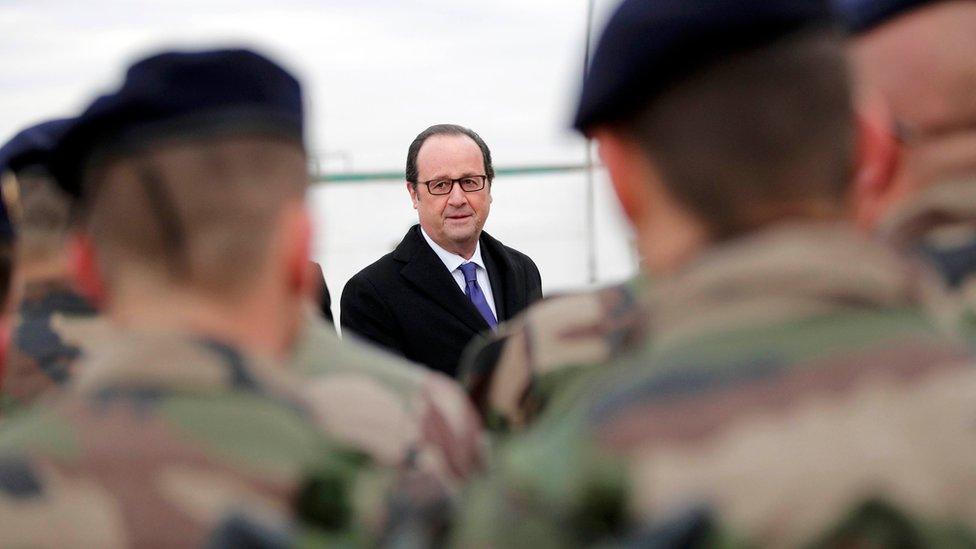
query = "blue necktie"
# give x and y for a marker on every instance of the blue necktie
(474, 293)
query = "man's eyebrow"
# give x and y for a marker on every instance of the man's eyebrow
(462, 176)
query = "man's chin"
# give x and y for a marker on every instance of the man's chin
(462, 236)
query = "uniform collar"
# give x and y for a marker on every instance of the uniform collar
(130, 360)
(787, 273)
(932, 213)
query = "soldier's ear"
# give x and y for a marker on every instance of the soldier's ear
(296, 250)
(84, 267)
(877, 158)
(622, 158)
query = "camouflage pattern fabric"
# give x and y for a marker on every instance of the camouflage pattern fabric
(792, 391)
(939, 224)
(511, 373)
(399, 413)
(50, 326)
(161, 440)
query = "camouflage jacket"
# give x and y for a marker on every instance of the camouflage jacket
(791, 388)
(163, 440)
(511, 373)
(939, 224)
(50, 325)
(402, 414)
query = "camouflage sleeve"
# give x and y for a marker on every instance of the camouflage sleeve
(548, 488)
(182, 480)
(433, 428)
(397, 412)
(512, 374)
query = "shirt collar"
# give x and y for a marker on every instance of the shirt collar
(453, 261)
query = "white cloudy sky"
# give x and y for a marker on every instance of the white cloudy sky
(375, 71)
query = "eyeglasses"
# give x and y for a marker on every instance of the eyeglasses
(469, 184)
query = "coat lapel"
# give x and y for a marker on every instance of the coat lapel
(425, 271)
(496, 278)
(506, 285)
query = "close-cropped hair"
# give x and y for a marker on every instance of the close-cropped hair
(748, 139)
(445, 129)
(197, 213)
(45, 214)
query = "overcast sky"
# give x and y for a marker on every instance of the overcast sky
(375, 72)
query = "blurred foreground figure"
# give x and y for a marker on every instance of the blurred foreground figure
(916, 59)
(791, 389)
(916, 188)
(183, 427)
(51, 319)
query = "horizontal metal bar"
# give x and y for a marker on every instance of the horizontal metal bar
(352, 177)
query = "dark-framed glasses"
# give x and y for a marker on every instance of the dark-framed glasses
(468, 183)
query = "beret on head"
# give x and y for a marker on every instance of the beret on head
(649, 44)
(862, 15)
(176, 94)
(32, 146)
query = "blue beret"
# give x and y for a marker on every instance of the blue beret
(649, 44)
(183, 93)
(32, 146)
(861, 15)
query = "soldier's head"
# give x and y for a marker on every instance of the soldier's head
(42, 209)
(191, 178)
(715, 118)
(916, 75)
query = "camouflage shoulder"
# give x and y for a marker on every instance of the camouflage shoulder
(44, 353)
(151, 468)
(937, 226)
(397, 412)
(510, 374)
(320, 352)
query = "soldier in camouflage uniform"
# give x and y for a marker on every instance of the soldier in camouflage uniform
(183, 425)
(918, 194)
(52, 318)
(792, 388)
(914, 58)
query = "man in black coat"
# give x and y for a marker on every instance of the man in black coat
(448, 280)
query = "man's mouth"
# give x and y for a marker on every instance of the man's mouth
(459, 217)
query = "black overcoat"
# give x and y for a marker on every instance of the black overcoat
(409, 303)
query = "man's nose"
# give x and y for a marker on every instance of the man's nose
(457, 197)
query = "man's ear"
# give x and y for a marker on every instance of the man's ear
(621, 158)
(85, 271)
(412, 189)
(877, 157)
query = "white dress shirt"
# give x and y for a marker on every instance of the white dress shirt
(453, 263)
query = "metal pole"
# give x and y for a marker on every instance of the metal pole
(590, 183)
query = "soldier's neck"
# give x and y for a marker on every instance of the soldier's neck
(29, 272)
(942, 158)
(243, 326)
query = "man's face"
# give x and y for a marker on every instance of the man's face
(453, 220)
